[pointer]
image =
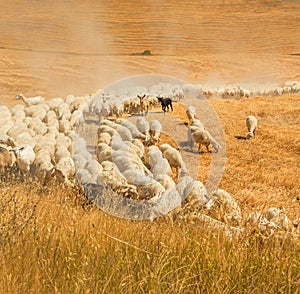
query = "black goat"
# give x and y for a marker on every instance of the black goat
(165, 103)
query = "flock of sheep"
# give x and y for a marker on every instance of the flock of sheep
(39, 137)
(237, 91)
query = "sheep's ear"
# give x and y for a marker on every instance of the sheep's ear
(139, 96)
(144, 96)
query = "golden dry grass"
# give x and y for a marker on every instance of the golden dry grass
(53, 240)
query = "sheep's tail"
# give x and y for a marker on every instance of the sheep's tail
(214, 143)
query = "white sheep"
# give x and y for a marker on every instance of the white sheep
(103, 152)
(251, 123)
(147, 186)
(191, 112)
(166, 181)
(155, 129)
(65, 170)
(174, 158)
(24, 156)
(222, 206)
(30, 101)
(132, 127)
(202, 137)
(278, 217)
(195, 192)
(143, 126)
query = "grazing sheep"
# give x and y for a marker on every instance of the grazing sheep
(223, 207)
(155, 129)
(132, 128)
(202, 137)
(64, 170)
(251, 122)
(143, 126)
(279, 218)
(191, 112)
(103, 152)
(147, 186)
(30, 101)
(166, 103)
(195, 193)
(174, 158)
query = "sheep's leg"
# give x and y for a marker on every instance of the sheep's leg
(254, 133)
(171, 106)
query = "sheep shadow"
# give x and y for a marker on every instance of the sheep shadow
(240, 137)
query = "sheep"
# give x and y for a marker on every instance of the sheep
(202, 137)
(158, 164)
(222, 206)
(191, 112)
(147, 186)
(25, 138)
(79, 161)
(155, 131)
(279, 218)
(143, 126)
(104, 138)
(64, 170)
(94, 167)
(84, 177)
(54, 103)
(174, 158)
(25, 156)
(103, 152)
(118, 110)
(60, 152)
(195, 193)
(166, 103)
(43, 166)
(251, 123)
(30, 101)
(165, 180)
(132, 128)
(144, 104)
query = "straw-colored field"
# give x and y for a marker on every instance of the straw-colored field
(52, 240)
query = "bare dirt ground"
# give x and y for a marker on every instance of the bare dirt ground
(61, 48)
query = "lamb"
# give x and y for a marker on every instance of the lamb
(174, 158)
(166, 103)
(155, 131)
(30, 101)
(251, 122)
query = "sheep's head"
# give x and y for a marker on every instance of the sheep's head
(19, 96)
(249, 135)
